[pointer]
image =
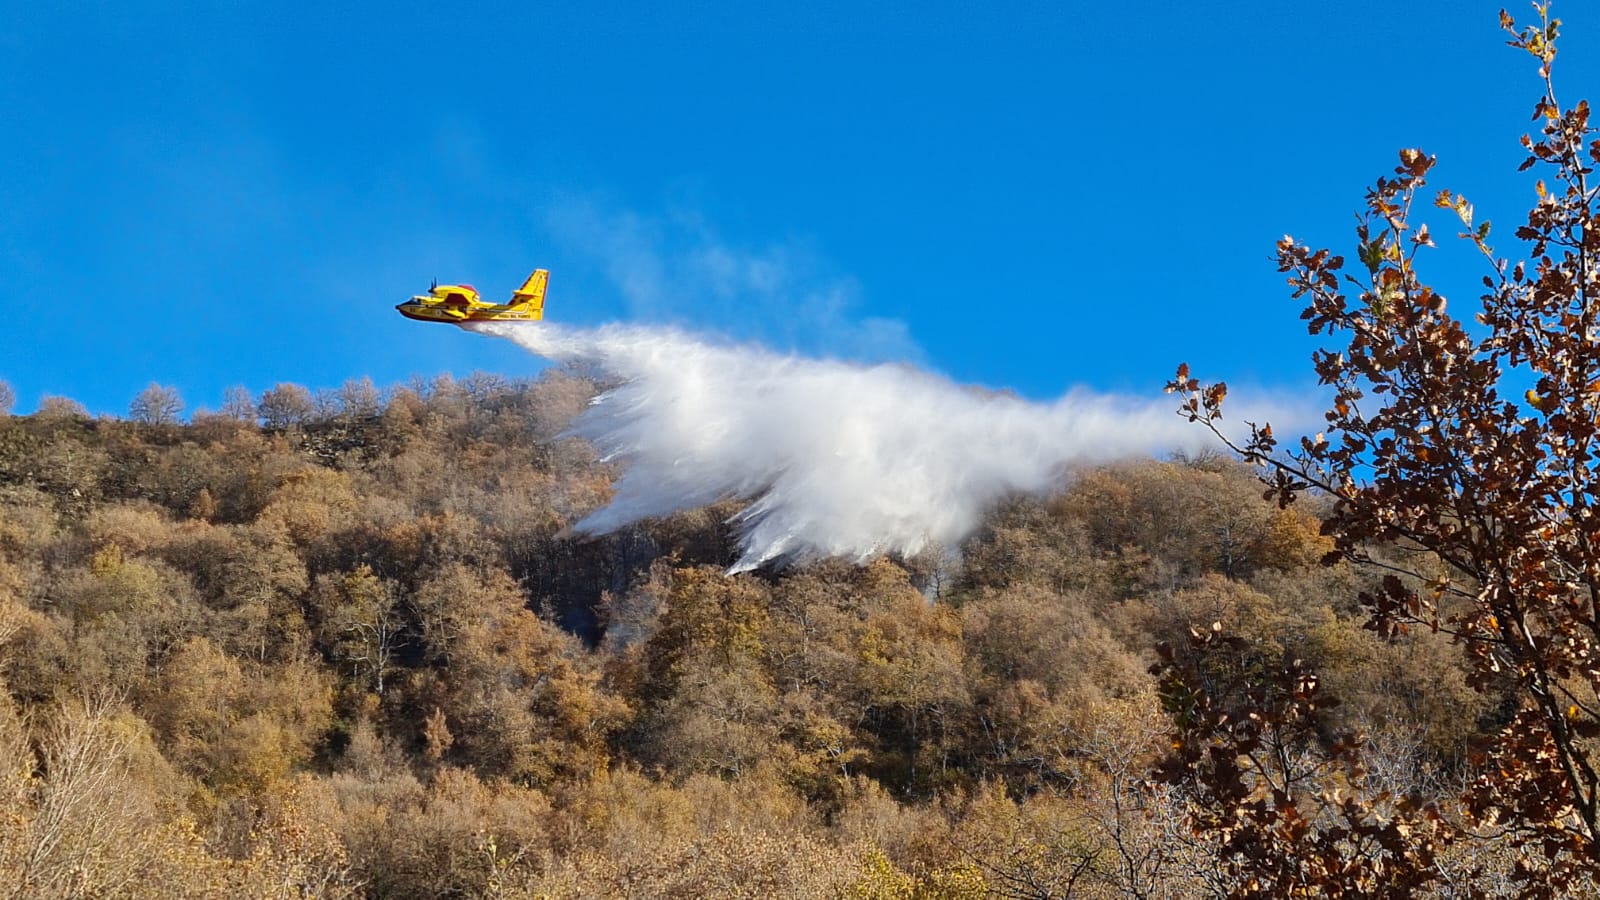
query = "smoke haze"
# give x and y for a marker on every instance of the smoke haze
(837, 458)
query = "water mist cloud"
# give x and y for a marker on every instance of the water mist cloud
(837, 458)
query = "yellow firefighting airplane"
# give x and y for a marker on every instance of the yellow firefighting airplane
(458, 303)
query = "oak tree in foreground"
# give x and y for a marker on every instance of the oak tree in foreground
(1462, 455)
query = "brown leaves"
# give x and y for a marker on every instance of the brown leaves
(1254, 750)
(1415, 163)
(1425, 451)
(1195, 405)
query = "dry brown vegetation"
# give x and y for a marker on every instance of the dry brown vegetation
(350, 652)
(340, 644)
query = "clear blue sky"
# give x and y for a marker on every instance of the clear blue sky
(1023, 195)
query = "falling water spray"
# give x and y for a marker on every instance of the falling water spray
(834, 458)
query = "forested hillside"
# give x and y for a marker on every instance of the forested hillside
(342, 646)
(348, 644)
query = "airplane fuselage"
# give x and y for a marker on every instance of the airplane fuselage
(423, 311)
(457, 304)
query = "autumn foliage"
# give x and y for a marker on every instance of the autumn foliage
(342, 644)
(1460, 461)
(354, 653)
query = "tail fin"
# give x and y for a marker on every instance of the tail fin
(531, 293)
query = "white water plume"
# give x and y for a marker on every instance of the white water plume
(837, 458)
